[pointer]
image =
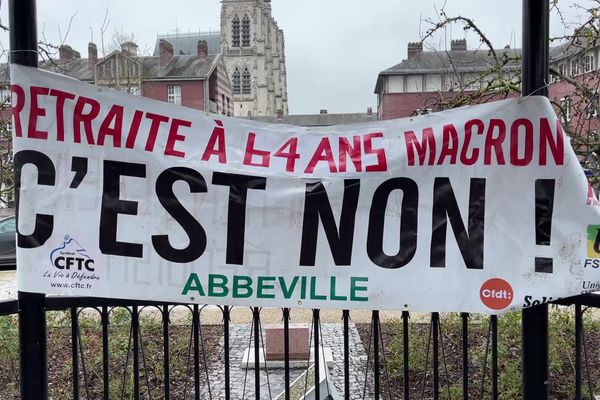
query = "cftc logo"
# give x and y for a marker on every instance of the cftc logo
(71, 256)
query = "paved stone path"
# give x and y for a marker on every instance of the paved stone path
(8, 285)
(332, 337)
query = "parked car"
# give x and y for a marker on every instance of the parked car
(8, 236)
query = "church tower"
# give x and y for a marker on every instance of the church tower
(254, 53)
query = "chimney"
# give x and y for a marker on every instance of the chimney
(323, 111)
(129, 48)
(165, 51)
(92, 55)
(279, 115)
(369, 111)
(414, 48)
(202, 49)
(458, 45)
(66, 53)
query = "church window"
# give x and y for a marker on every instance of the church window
(236, 82)
(246, 31)
(246, 82)
(235, 32)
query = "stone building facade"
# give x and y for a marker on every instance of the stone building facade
(253, 49)
(254, 52)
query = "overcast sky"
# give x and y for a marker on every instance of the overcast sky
(334, 48)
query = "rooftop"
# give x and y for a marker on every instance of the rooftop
(452, 61)
(318, 119)
(179, 67)
(185, 44)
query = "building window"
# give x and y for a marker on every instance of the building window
(588, 63)
(574, 67)
(132, 70)
(565, 105)
(108, 69)
(174, 94)
(236, 82)
(562, 70)
(246, 82)
(246, 31)
(235, 32)
(592, 106)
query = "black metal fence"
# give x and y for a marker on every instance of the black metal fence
(136, 382)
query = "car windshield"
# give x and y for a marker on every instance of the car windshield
(8, 225)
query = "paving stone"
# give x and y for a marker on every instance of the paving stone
(272, 380)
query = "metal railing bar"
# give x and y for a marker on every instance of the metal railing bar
(9, 307)
(346, 329)
(166, 355)
(189, 359)
(196, 334)
(59, 303)
(74, 353)
(588, 299)
(135, 326)
(494, 339)
(286, 351)
(465, 354)
(435, 320)
(226, 318)
(256, 317)
(375, 322)
(405, 355)
(317, 344)
(578, 331)
(105, 369)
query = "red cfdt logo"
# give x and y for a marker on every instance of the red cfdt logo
(496, 294)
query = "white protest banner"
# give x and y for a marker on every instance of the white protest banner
(479, 209)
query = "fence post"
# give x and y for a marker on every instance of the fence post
(32, 318)
(534, 82)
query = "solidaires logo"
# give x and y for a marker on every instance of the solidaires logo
(593, 241)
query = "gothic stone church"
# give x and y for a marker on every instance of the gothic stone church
(252, 47)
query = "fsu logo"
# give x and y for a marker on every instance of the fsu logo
(593, 241)
(71, 256)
